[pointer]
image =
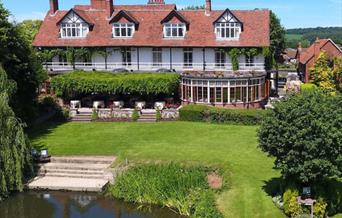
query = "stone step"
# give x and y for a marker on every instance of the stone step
(72, 171)
(67, 184)
(73, 166)
(84, 159)
(68, 175)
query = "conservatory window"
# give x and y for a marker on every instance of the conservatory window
(174, 30)
(123, 30)
(227, 30)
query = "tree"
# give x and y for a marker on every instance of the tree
(15, 161)
(21, 64)
(304, 134)
(30, 28)
(326, 74)
(194, 7)
(277, 36)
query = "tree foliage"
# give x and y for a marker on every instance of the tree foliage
(20, 62)
(277, 36)
(123, 83)
(327, 74)
(30, 28)
(15, 160)
(304, 134)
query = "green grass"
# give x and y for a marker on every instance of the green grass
(232, 148)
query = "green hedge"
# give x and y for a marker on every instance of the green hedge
(119, 83)
(220, 115)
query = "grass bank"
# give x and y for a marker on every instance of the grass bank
(229, 147)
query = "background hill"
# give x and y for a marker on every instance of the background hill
(308, 35)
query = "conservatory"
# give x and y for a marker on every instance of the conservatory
(224, 91)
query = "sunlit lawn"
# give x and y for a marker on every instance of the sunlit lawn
(233, 148)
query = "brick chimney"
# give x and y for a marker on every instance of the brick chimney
(299, 51)
(106, 5)
(53, 6)
(317, 49)
(207, 7)
(156, 2)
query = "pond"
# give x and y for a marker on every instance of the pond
(75, 205)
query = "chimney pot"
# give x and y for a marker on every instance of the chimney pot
(53, 6)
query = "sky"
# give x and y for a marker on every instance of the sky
(293, 13)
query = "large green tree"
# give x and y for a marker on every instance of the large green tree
(304, 134)
(20, 62)
(30, 28)
(277, 37)
(15, 161)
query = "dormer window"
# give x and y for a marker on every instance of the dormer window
(123, 30)
(73, 26)
(228, 26)
(227, 30)
(174, 30)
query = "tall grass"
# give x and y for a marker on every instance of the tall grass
(184, 190)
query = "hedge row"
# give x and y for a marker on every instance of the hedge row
(120, 83)
(220, 115)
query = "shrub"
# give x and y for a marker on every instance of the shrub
(135, 115)
(184, 189)
(158, 115)
(320, 208)
(48, 105)
(103, 82)
(94, 115)
(291, 206)
(220, 115)
(308, 87)
(303, 132)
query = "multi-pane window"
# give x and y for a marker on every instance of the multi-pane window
(126, 56)
(220, 58)
(157, 56)
(73, 27)
(176, 30)
(249, 61)
(188, 57)
(228, 30)
(123, 29)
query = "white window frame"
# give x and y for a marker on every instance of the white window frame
(73, 27)
(188, 57)
(228, 31)
(157, 56)
(123, 30)
(174, 30)
(250, 62)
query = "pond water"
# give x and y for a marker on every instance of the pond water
(75, 205)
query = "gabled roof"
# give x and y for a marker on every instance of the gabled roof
(233, 16)
(309, 53)
(79, 13)
(150, 34)
(176, 14)
(127, 16)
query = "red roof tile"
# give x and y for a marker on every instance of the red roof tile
(150, 33)
(309, 53)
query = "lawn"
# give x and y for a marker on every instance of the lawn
(232, 148)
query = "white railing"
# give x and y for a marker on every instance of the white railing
(148, 66)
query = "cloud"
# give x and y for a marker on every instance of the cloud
(35, 15)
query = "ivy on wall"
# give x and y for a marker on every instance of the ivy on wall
(234, 54)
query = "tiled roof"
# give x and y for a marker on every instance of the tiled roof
(309, 53)
(150, 32)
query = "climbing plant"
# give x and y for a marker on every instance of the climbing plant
(234, 54)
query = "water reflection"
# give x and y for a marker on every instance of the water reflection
(74, 205)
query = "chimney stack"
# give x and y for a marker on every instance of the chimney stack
(207, 7)
(317, 49)
(53, 6)
(156, 2)
(106, 5)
